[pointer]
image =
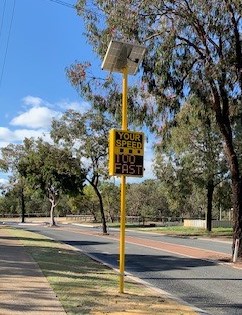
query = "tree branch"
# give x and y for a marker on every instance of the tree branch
(238, 47)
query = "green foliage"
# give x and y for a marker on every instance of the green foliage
(190, 157)
(51, 169)
(87, 203)
(146, 200)
(10, 157)
(111, 199)
(189, 43)
(8, 204)
(193, 48)
(184, 198)
(86, 136)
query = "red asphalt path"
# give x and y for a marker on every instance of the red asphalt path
(183, 250)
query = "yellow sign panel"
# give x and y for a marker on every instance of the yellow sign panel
(126, 153)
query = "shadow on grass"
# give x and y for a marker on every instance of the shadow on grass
(27, 239)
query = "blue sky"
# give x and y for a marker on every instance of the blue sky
(44, 39)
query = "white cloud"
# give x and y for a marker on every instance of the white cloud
(77, 106)
(8, 136)
(33, 101)
(5, 133)
(36, 117)
(65, 104)
(20, 134)
(35, 120)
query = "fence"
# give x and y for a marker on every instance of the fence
(202, 223)
(81, 217)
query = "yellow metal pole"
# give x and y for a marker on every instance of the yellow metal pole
(123, 187)
(125, 100)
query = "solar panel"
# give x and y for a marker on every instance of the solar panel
(120, 55)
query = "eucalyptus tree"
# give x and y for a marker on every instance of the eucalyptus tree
(86, 135)
(90, 203)
(193, 48)
(51, 170)
(194, 141)
(11, 155)
(85, 204)
(184, 198)
(146, 200)
(111, 199)
(9, 203)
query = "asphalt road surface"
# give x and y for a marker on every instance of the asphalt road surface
(180, 266)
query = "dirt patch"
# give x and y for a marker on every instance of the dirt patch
(142, 303)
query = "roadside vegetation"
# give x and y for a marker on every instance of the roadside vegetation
(85, 286)
(149, 201)
(187, 96)
(191, 231)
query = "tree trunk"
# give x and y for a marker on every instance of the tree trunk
(104, 225)
(22, 204)
(232, 159)
(111, 215)
(221, 109)
(236, 198)
(93, 212)
(210, 190)
(52, 214)
(237, 214)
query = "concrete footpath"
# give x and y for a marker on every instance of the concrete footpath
(23, 287)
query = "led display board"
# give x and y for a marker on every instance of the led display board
(126, 153)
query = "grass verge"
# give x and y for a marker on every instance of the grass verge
(84, 286)
(189, 231)
(177, 230)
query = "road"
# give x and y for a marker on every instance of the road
(180, 266)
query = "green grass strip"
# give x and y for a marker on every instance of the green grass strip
(85, 286)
